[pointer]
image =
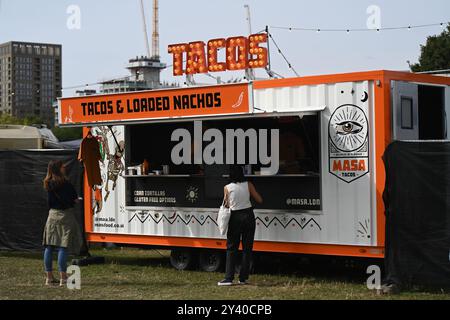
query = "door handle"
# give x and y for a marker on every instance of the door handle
(445, 125)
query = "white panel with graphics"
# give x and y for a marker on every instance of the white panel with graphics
(109, 209)
(347, 164)
(347, 178)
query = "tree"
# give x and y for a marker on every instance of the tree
(27, 121)
(435, 54)
(66, 134)
(63, 134)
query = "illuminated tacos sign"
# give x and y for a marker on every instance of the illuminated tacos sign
(240, 53)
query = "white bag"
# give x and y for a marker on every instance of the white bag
(223, 218)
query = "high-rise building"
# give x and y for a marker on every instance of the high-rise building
(30, 79)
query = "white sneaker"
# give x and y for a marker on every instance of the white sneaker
(225, 283)
(63, 282)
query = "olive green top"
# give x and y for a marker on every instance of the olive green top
(62, 230)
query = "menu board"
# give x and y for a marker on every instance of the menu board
(284, 192)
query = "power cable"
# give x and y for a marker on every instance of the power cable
(282, 54)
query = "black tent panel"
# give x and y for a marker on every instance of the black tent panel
(417, 202)
(23, 201)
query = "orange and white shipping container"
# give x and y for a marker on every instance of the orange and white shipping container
(338, 208)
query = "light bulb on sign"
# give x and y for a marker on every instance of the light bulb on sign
(235, 61)
(196, 58)
(215, 45)
(177, 51)
(261, 59)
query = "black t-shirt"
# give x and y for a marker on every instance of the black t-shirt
(62, 197)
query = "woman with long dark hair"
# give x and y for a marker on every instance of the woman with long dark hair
(61, 231)
(237, 196)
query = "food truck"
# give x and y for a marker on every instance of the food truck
(325, 197)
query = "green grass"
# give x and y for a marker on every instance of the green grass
(147, 274)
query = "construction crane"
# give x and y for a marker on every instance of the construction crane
(154, 53)
(144, 22)
(148, 68)
(155, 34)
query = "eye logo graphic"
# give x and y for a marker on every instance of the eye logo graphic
(348, 131)
(348, 128)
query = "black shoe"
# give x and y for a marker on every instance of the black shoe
(242, 282)
(225, 282)
(391, 288)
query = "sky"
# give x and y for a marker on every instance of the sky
(111, 32)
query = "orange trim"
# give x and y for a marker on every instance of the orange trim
(382, 139)
(88, 211)
(351, 77)
(264, 246)
(414, 77)
(322, 79)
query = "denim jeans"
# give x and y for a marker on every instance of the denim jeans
(62, 258)
(241, 226)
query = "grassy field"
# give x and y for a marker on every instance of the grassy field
(147, 274)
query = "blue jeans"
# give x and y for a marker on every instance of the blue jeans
(48, 258)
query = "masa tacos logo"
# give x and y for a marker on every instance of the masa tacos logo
(348, 143)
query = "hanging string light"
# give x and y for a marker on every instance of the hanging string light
(348, 30)
(282, 54)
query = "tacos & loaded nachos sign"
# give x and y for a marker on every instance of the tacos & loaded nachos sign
(155, 104)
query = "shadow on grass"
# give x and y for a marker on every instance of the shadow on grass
(316, 267)
(141, 261)
(319, 268)
(136, 284)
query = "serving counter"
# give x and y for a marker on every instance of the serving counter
(285, 191)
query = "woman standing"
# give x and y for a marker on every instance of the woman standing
(61, 230)
(242, 224)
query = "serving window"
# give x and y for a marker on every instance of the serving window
(155, 178)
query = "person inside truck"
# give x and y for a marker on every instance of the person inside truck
(292, 150)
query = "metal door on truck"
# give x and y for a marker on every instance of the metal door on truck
(405, 111)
